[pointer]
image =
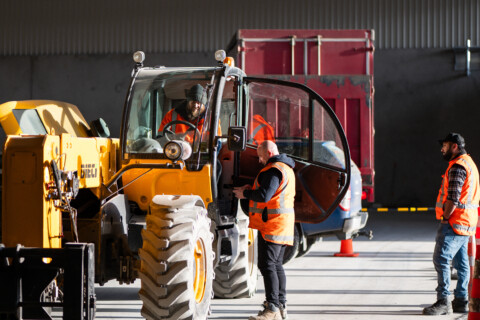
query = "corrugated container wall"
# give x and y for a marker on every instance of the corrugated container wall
(32, 27)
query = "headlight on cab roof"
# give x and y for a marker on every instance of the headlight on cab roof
(139, 57)
(178, 150)
(220, 55)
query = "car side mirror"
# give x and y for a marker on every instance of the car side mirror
(237, 138)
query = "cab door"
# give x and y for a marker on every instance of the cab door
(305, 128)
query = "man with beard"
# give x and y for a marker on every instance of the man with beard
(192, 110)
(456, 208)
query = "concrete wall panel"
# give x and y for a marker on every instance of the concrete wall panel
(419, 99)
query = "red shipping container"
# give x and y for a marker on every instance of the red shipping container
(337, 64)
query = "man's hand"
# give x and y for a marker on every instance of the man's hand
(448, 208)
(238, 191)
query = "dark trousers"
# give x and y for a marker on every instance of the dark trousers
(270, 257)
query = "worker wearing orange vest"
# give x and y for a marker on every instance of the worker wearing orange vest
(260, 130)
(456, 208)
(192, 110)
(271, 211)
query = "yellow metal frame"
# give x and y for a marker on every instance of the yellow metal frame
(28, 216)
(141, 185)
(58, 117)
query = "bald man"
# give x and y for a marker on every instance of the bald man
(271, 201)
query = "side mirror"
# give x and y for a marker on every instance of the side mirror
(237, 138)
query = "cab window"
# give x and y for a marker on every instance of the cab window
(154, 95)
(281, 114)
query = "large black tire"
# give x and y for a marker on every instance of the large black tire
(238, 278)
(292, 251)
(177, 260)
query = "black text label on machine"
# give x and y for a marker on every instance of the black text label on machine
(89, 170)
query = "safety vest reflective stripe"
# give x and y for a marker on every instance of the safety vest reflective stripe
(441, 195)
(257, 129)
(467, 206)
(463, 228)
(261, 130)
(272, 211)
(274, 238)
(460, 205)
(172, 115)
(470, 187)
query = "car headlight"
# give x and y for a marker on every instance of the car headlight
(176, 149)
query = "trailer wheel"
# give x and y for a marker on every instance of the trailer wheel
(177, 264)
(239, 279)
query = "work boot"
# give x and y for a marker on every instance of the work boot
(269, 312)
(283, 311)
(460, 305)
(442, 306)
(282, 307)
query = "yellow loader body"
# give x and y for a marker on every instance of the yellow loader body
(31, 214)
(166, 181)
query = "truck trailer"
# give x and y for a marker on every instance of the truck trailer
(338, 65)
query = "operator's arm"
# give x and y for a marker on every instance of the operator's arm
(456, 178)
(269, 182)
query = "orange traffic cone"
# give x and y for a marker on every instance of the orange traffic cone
(471, 259)
(346, 249)
(474, 303)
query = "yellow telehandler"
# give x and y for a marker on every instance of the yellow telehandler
(80, 207)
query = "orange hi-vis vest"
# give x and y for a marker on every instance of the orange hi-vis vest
(172, 115)
(261, 130)
(464, 218)
(280, 225)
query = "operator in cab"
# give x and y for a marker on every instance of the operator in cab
(260, 130)
(191, 110)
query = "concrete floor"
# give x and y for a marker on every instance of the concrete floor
(392, 278)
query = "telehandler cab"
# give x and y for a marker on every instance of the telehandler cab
(79, 207)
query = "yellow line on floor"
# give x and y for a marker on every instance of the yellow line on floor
(399, 209)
